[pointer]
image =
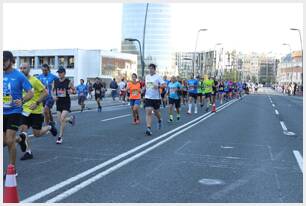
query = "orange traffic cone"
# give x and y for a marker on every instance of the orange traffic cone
(10, 187)
(213, 108)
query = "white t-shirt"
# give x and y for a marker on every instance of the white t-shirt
(152, 80)
(121, 85)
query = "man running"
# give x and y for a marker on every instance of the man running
(164, 92)
(208, 90)
(215, 89)
(134, 89)
(82, 91)
(98, 87)
(152, 97)
(200, 90)
(47, 78)
(122, 88)
(14, 82)
(32, 115)
(174, 99)
(192, 85)
(61, 90)
(221, 91)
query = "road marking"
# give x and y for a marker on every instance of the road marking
(273, 105)
(276, 112)
(114, 159)
(121, 116)
(100, 175)
(283, 126)
(299, 159)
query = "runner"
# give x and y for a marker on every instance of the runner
(226, 90)
(208, 90)
(32, 115)
(221, 91)
(122, 86)
(184, 90)
(134, 89)
(47, 78)
(164, 91)
(82, 91)
(61, 89)
(14, 82)
(215, 89)
(152, 97)
(192, 85)
(174, 99)
(98, 87)
(200, 91)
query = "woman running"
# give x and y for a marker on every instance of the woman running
(135, 94)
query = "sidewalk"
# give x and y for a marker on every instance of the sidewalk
(91, 104)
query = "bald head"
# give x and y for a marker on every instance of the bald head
(25, 69)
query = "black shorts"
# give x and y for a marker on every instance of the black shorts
(163, 94)
(195, 96)
(200, 94)
(81, 99)
(184, 93)
(33, 120)
(98, 96)
(208, 95)
(154, 103)
(11, 121)
(214, 93)
(176, 102)
(63, 104)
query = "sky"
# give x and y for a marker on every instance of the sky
(246, 27)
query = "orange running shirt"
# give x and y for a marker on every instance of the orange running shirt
(134, 90)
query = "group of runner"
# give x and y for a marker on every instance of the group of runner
(28, 100)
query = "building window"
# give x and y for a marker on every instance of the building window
(70, 62)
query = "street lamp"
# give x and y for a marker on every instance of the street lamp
(294, 29)
(193, 61)
(141, 54)
(286, 44)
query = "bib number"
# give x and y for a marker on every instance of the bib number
(7, 101)
(26, 114)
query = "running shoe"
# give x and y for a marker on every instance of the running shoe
(196, 111)
(178, 116)
(137, 121)
(170, 118)
(72, 121)
(59, 140)
(23, 143)
(134, 122)
(188, 112)
(27, 156)
(53, 129)
(160, 125)
(148, 132)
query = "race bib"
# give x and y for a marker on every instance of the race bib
(191, 87)
(81, 94)
(172, 90)
(61, 93)
(7, 101)
(98, 92)
(150, 85)
(135, 92)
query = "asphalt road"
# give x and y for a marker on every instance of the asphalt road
(242, 153)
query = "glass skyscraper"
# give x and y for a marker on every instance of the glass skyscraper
(157, 36)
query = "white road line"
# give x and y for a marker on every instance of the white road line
(108, 162)
(276, 112)
(299, 159)
(93, 179)
(283, 126)
(273, 105)
(121, 116)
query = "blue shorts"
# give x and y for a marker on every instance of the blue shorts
(49, 102)
(134, 102)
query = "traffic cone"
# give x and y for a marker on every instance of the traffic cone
(10, 187)
(213, 108)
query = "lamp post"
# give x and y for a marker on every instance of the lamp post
(286, 44)
(193, 61)
(141, 54)
(294, 29)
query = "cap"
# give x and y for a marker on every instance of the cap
(61, 69)
(7, 55)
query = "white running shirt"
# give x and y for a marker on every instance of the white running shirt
(152, 80)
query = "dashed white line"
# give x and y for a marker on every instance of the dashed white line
(121, 116)
(299, 159)
(273, 105)
(276, 112)
(283, 126)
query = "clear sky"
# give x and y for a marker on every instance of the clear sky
(259, 27)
